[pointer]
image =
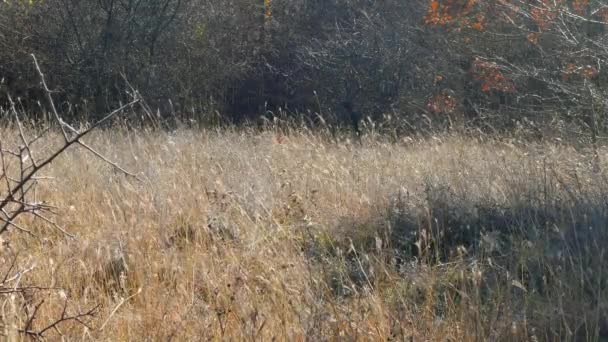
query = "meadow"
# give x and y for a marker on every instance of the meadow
(237, 234)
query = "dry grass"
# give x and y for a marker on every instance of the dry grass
(260, 236)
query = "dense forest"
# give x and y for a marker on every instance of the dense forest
(481, 63)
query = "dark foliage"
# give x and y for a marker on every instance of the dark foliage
(482, 63)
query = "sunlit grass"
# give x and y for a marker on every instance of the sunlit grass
(243, 235)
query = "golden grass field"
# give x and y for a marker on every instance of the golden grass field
(236, 235)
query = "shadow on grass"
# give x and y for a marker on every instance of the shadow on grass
(537, 260)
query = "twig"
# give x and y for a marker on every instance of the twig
(48, 160)
(21, 134)
(15, 196)
(18, 180)
(28, 330)
(118, 306)
(18, 227)
(53, 223)
(49, 98)
(102, 157)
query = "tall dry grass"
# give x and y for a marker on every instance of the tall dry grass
(236, 235)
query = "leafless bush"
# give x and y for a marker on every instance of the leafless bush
(20, 174)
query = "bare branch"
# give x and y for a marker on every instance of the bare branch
(65, 317)
(101, 156)
(49, 97)
(17, 185)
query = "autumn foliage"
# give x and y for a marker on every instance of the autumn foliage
(443, 103)
(549, 50)
(491, 77)
(447, 12)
